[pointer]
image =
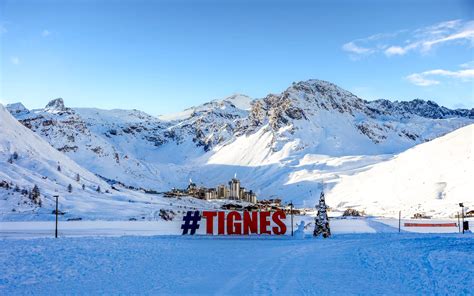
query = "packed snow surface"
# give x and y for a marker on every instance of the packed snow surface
(353, 264)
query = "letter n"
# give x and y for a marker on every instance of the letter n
(250, 222)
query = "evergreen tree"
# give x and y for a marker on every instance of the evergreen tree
(83, 187)
(15, 155)
(78, 178)
(35, 191)
(98, 189)
(321, 221)
(59, 168)
(34, 195)
(69, 188)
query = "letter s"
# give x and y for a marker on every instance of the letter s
(277, 219)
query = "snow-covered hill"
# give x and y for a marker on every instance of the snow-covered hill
(282, 145)
(27, 160)
(430, 178)
(131, 146)
(315, 116)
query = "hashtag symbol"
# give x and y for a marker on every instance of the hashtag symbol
(191, 222)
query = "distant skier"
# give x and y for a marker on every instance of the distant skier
(321, 221)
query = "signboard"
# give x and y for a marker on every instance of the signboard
(234, 223)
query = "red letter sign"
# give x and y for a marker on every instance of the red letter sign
(221, 222)
(209, 221)
(277, 217)
(264, 223)
(232, 226)
(250, 223)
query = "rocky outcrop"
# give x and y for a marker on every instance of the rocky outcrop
(56, 106)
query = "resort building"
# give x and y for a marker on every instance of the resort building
(233, 192)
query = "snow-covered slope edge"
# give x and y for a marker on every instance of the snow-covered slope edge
(431, 178)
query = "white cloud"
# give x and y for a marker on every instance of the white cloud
(353, 48)
(466, 33)
(438, 29)
(45, 33)
(15, 60)
(395, 50)
(468, 65)
(364, 46)
(466, 73)
(421, 79)
(421, 40)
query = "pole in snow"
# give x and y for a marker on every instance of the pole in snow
(291, 213)
(56, 229)
(462, 213)
(459, 221)
(399, 221)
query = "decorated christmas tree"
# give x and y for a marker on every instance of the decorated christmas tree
(321, 221)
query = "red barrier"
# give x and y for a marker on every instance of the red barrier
(431, 225)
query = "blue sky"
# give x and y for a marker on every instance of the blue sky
(165, 56)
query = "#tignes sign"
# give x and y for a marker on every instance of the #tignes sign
(234, 223)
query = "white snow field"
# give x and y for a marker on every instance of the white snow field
(350, 264)
(437, 175)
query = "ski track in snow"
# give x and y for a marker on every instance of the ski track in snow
(368, 264)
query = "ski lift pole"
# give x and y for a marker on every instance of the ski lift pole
(56, 228)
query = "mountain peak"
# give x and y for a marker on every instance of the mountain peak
(56, 105)
(240, 101)
(17, 109)
(319, 86)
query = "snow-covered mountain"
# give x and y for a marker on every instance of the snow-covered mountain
(317, 117)
(104, 141)
(210, 124)
(27, 160)
(131, 146)
(282, 145)
(431, 178)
